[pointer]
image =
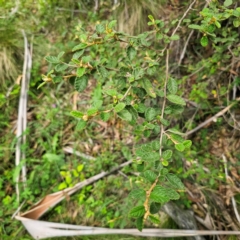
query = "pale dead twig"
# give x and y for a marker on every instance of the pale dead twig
(79, 154)
(232, 198)
(22, 114)
(212, 118)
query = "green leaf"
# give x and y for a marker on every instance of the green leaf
(62, 186)
(119, 107)
(137, 212)
(138, 193)
(61, 67)
(100, 28)
(167, 154)
(52, 59)
(150, 176)
(60, 54)
(162, 194)
(194, 26)
(125, 115)
(147, 85)
(78, 54)
(187, 143)
(111, 92)
(133, 112)
(155, 207)
(76, 114)
(164, 122)
(81, 83)
(218, 24)
(92, 111)
(131, 53)
(105, 116)
(180, 147)
(154, 219)
(159, 195)
(112, 24)
(175, 131)
(176, 138)
(81, 125)
(172, 86)
(80, 71)
(227, 3)
(175, 181)
(174, 37)
(150, 114)
(204, 41)
(151, 18)
(176, 99)
(139, 223)
(102, 70)
(80, 46)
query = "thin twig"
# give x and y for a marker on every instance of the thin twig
(184, 48)
(212, 118)
(164, 101)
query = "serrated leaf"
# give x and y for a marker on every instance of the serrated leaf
(78, 54)
(61, 67)
(105, 116)
(167, 154)
(187, 143)
(81, 83)
(112, 24)
(176, 99)
(150, 114)
(81, 125)
(80, 46)
(133, 112)
(76, 114)
(86, 59)
(159, 195)
(176, 138)
(100, 28)
(155, 207)
(139, 223)
(147, 85)
(175, 181)
(137, 193)
(204, 41)
(119, 107)
(172, 86)
(150, 176)
(60, 54)
(137, 212)
(80, 71)
(125, 115)
(52, 59)
(180, 147)
(92, 111)
(103, 72)
(165, 163)
(154, 219)
(111, 92)
(153, 156)
(131, 53)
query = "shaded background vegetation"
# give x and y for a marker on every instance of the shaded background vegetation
(209, 81)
